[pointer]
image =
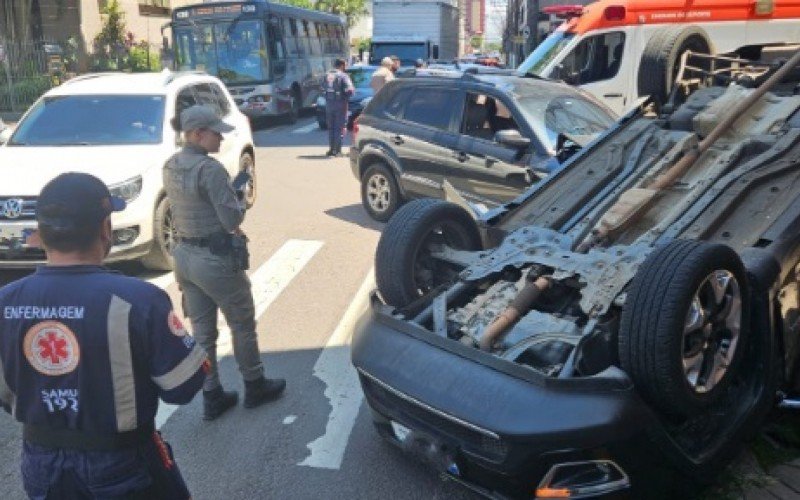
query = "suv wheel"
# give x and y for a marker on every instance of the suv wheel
(379, 192)
(160, 256)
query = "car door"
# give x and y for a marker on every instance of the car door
(425, 134)
(480, 168)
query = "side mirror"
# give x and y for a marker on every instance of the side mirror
(5, 133)
(512, 138)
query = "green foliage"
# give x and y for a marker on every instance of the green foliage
(353, 10)
(25, 92)
(138, 58)
(109, 44)
(476, 42)
(494, 47)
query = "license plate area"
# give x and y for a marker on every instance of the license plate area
(428, 449)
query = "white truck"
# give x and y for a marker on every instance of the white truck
(415, 29)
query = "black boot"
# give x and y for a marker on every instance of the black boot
(216, 402)
(257, 392)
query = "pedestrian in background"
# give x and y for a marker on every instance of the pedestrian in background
(395, 64)
(211, 259)
(382, 75)
(419, 64)
(337, 89)
(85, 355)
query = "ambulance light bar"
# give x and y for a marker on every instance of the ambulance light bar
(564, 11)
(615, 13)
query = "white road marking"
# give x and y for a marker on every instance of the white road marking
(268, 282)
(289, 419)
(343, 390)
(163, 281)
(306, 128)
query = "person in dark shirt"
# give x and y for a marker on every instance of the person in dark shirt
(85, 355)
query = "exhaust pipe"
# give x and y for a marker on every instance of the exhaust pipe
(521, 304)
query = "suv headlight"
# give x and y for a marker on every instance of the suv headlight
(128, 190)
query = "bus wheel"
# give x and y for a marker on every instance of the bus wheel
(661, 59)
(297, 103)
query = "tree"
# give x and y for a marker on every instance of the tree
(109, 44)
(352, 10)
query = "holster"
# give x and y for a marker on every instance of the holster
(239, 252)
(220, 244)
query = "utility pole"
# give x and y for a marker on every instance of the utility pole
(532, 25)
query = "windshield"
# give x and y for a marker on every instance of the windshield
(235, 51)
(92, 120)
(407, 52)
(545, 53)
(361, 77)
(563, 114)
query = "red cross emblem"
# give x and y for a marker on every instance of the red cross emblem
(52, 348)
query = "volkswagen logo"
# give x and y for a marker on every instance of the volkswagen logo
(12, 208)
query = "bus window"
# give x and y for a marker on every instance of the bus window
(322, 33)
(242, 51)
(195, 49)
(290, 37)
(313, 38)
(277, 50)
(594, 59)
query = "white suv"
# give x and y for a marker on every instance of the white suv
(117, 127)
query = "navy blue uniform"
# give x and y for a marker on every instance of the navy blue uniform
(85, 355)
(337, 88)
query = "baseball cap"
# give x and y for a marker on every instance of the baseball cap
(201, 116)
(74, 199)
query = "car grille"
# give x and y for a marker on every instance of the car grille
(28, 211)
(411, 412)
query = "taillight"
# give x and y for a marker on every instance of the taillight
(615, 13)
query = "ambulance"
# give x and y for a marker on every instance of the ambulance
(622, 51)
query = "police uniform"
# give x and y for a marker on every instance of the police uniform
(337, 89)
(206, 210)
(85, 355)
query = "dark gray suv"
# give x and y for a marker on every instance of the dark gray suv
(490, 135)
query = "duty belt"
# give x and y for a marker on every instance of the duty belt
(87, 441)
(198, 242)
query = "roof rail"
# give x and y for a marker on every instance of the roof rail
(90, 76)
(171, 76)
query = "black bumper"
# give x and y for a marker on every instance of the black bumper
(503, 425)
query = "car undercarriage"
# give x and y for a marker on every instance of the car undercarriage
(664, 253)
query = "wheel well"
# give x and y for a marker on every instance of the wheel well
(368, 160)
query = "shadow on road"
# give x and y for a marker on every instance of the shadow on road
(314, 157)
(355, 214)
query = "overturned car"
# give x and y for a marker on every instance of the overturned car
(637, 311)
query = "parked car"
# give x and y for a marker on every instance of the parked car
(117, 127)
(633, 316)
(489, 132)
(361, 76)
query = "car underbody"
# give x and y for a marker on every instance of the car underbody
(656, 267)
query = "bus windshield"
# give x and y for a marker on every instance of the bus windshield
(545, 53)
(232, 50)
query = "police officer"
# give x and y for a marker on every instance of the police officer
(337, 89)
(85, 354)
(211, 259)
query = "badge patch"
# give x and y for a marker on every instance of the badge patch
(176, 325)
(51, 348)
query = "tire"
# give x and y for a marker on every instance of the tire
(297, 104)
(658, 345)
(404, 270)
(248, 164)
(379, 192)
(160, 256)
(662, 56)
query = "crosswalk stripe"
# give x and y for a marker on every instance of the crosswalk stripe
(334, 369)
(163, 281)
(306, 128)
(268, 281)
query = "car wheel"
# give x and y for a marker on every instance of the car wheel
(662, 57)
(685, 325)
(405, 268)
(247, 164)
(379, 192)
(160, 256)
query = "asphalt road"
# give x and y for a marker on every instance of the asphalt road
(312, 248)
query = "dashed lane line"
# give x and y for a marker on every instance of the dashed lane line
(268, 281)
(334, 369)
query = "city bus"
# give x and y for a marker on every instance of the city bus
(272, 57)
